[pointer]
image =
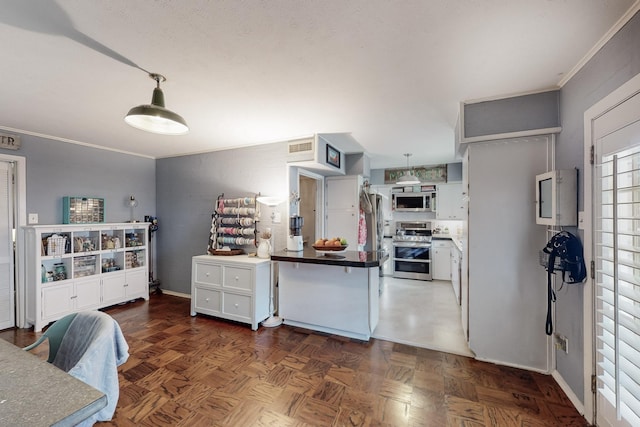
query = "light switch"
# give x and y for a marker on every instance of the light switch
(33, 218)
(581, 220)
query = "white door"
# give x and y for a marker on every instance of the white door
(7, 278)
(616, 251)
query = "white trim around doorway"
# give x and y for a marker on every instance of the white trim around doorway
(21, 221)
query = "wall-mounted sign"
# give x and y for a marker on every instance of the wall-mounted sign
(10, 142)
(435, 173)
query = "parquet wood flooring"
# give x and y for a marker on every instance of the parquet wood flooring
(201, 371)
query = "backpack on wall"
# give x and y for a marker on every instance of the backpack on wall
(565, 254)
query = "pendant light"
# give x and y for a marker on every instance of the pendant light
(408, 178)
(155, 117)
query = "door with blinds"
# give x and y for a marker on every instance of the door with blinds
(7, 277)
(616, 251)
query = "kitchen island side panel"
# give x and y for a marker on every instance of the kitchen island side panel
(329, 298)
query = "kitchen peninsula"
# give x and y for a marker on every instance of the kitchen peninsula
(335, 293)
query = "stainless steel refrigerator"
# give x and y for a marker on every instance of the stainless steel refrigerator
(375, 223)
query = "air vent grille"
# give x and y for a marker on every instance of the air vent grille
(300, 147)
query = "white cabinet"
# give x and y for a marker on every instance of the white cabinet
(342, 207)
(74, 267)
(450, 203)
(231, 287)
(456, 256)
(441, 265)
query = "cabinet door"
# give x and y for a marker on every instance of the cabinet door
(113, 290)
(87, 294)
(343, 224)
(441, 261)
(136, 283)
(343, 192)
(449, 202)
(57, 300)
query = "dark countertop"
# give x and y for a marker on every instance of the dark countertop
(346, 259)
(36, 393)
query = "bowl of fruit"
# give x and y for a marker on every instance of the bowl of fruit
(334, 244)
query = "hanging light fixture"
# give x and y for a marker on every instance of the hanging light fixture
(408, 177)
(155, 117)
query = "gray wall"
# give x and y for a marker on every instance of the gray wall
(613, 65)
(56, 169)
(187, 189)
(520, 113)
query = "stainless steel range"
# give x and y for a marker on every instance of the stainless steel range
(412, 250)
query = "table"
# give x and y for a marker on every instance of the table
(36, 393)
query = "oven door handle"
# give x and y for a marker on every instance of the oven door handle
(411, 245)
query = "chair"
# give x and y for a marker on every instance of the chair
(89, 346)
(54, 333)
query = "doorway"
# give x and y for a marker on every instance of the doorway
(611, 298)
(310, 190)
(12, 201)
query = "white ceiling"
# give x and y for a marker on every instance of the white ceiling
(246, 72)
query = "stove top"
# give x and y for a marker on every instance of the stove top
(413, 231)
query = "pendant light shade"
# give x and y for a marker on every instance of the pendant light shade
(408, 178)
(155, 117)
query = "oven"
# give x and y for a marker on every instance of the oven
(412, 260)
(412, 250)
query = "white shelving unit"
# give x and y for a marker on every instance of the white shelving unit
(73, 267)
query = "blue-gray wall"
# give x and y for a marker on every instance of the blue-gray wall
(514, 114)
(187, 189)
(613, 65)
(56, 169)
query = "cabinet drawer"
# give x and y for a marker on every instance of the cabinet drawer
(207, 300)
(237, 305)
(237, 278)
(209, 274)
(441, 243)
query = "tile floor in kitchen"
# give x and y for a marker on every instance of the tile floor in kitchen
(421, 313)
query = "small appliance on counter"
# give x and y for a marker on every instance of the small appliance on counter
(294, 241)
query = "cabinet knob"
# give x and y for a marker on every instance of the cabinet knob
(235, 305)
(207, 274)
(237, 278)
(206, 299)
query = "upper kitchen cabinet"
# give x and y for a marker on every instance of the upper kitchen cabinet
(342, 208)
(450, 202)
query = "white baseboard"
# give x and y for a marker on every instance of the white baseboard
(567, 390)
(176, 294)
(513, 365)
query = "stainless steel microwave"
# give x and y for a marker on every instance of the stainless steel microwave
(413, 202)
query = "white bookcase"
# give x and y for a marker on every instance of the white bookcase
(231, 287)
(73, 267)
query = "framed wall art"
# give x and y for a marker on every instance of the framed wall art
(333, 156)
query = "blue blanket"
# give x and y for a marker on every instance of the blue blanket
(91, 350)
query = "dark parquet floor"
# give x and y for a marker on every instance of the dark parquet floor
(200, 371)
